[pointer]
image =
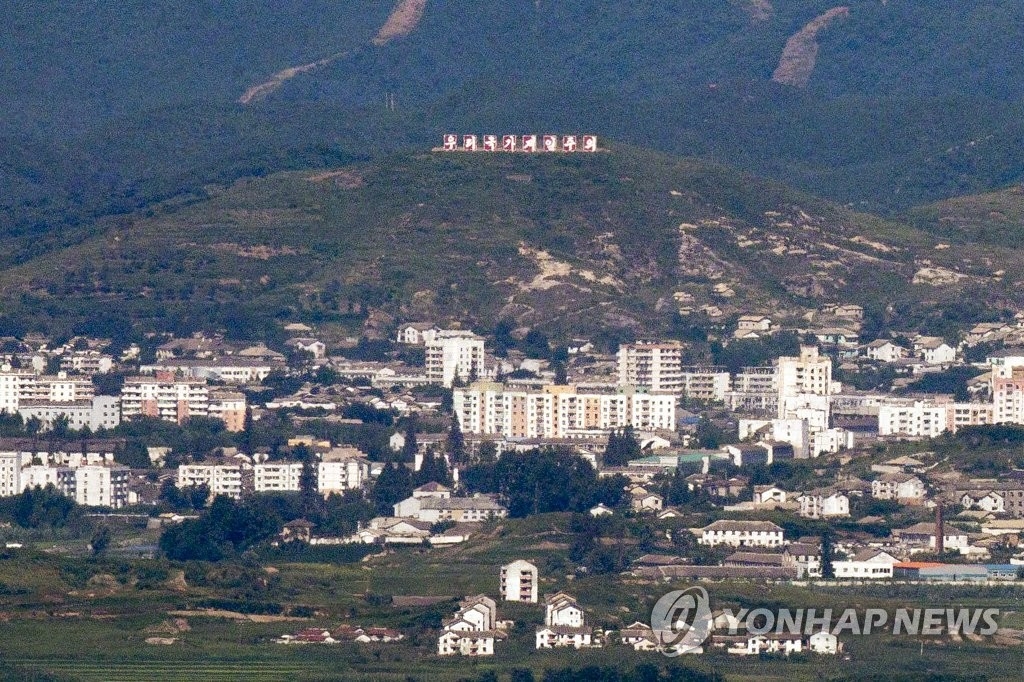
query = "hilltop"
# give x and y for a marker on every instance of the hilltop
(110, 110)
(569, 243)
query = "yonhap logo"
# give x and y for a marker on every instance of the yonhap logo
(681, 621)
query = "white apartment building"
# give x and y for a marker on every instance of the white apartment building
(17, 385)
(705, 383)
(339, 476)
(221, 479)
(558, 411)
(454, 353)
(165, 397)
(519, 582)
(920, 419)
(755, 389)
(101, 412)
(100, 486)
(90, 485)
(831, 441)
(792, 431)
(86, 361)
(807, 373)
(276, 476)
(905, 488)
(654, 367)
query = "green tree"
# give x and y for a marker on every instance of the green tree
(828, 571)
(456, 442)
(100, 540)
(392, 486)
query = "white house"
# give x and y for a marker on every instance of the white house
(824, 643)
(564, 624)
(904, 488)
(884, 350)
(868, 564)
(741, 534)
(768, 495)
(823, 504)
(986, 500)
(934, 350)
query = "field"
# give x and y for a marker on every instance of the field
(61, 620)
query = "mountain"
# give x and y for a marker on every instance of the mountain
(570, 243)
(883, 105)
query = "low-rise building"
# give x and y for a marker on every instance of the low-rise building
(742, 534)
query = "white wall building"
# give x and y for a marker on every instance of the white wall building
(519, 582)
(651, 367)
(922, 419)
(742, 534)
(101, 412)
(165, 397)
(558, 411)
(454, 353)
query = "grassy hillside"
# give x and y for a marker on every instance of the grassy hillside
(108, 110)
(989, 218)
(568, 243)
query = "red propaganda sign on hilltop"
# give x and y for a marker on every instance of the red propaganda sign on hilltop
(530, 143)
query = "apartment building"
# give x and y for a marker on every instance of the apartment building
(919, 419)
(92, 485)
(86, 362)
(519, 582)
(653, 367)
(807, 373)
(558, 411)
(709, 384)
(454, 353)
(221, 479)
(1008, 394)
(231, 369)
(165, 397)
(18, 385)
(228, 406)
(101, 412)
(277, 476)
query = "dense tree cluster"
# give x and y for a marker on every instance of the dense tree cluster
(544, 480)
(225, 530)
(622, 447)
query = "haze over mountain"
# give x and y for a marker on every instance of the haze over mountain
(885, 104)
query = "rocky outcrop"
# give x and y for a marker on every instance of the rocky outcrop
(801, 52)
(757, 10)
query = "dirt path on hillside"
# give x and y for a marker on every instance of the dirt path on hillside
(801, 52)
(402, 21)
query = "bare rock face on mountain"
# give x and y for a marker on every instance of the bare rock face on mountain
(757, 10)
(801, 52)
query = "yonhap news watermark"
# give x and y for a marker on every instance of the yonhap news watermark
(682, 621)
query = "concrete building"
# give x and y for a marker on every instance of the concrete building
(651, 367)
(100, 486)
(519, 582)
(741, 534)
(277, 476)
(101, 412)
(709, 384)
(920, 419)
(221, 479)
(558, 411)
(18, 385)
(807, 373)
(228, 406)
(231, 369)
(165, 397)
(454, 353)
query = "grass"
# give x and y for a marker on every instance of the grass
(101, 636)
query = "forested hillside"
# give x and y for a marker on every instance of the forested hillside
(109, 107)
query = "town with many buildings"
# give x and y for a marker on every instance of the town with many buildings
(787, 472)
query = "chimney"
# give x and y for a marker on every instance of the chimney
(940, 530)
